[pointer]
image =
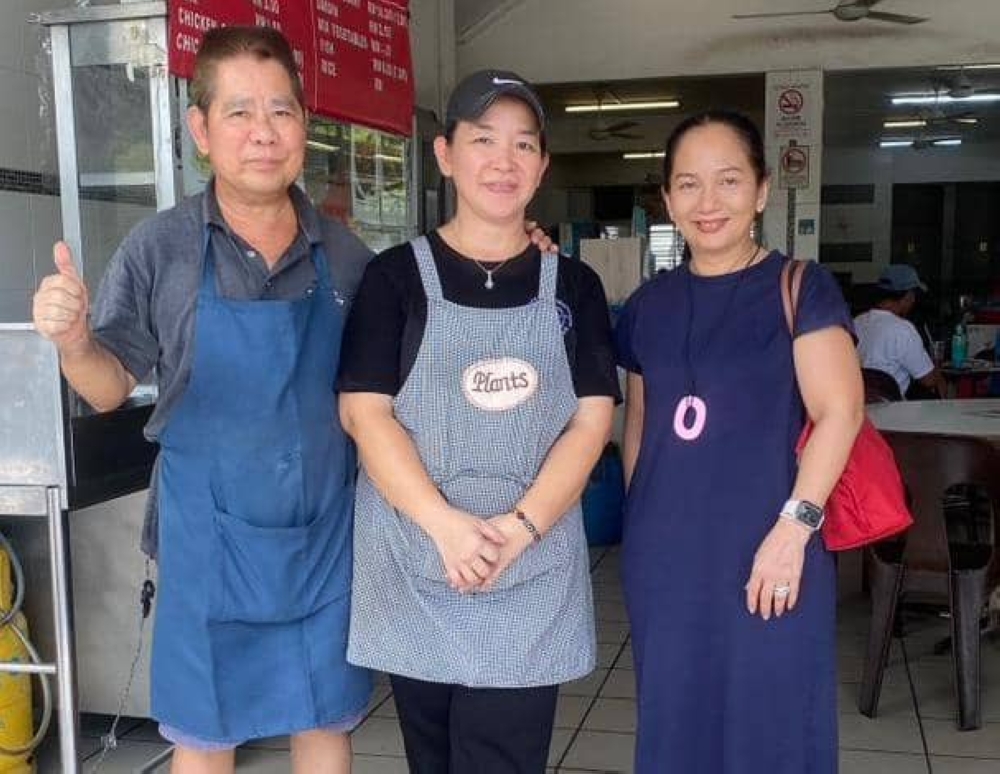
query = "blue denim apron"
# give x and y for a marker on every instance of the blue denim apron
(255, 499)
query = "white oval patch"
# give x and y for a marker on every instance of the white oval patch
(501, 384)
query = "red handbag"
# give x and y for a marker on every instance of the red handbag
(868, 503)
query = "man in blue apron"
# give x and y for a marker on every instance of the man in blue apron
(237, 298)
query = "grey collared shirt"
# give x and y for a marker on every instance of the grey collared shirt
(144, 312)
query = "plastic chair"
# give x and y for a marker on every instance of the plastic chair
(925, 567)
(880, 387)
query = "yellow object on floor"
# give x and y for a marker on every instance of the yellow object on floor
(16, 722)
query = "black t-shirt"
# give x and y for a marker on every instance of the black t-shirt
(389, 313)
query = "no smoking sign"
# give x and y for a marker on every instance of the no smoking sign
(793, 167)
(790, 102)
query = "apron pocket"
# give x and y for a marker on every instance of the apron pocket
(278, 574)
(264, 487)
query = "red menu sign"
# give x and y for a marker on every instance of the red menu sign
(354, 55)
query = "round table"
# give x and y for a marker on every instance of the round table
(979, 417)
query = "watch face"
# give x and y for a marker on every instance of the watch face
(809, 514)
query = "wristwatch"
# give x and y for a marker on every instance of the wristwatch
(804, 512)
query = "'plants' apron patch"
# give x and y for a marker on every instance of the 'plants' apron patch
(499, 384)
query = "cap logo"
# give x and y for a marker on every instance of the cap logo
(505, 81)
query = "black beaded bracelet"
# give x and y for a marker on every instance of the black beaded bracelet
(528, 525)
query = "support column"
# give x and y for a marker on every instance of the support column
(793, 142)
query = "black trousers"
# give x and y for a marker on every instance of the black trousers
(450, 729)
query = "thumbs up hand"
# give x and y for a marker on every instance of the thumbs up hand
(61, 305)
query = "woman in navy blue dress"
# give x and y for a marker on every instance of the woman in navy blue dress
(731, 595)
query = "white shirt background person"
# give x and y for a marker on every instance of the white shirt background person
(887, 341)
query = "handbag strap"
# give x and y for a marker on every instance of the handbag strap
(791, 283)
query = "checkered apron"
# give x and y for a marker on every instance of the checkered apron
(489, 394)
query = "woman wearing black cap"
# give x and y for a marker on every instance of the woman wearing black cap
(478, 381)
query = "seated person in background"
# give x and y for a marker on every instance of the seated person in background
(888, 342)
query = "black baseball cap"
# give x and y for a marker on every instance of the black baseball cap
(474, 95)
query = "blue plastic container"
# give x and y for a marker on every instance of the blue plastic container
(604, 499)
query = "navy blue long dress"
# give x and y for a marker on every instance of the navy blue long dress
(721, 691)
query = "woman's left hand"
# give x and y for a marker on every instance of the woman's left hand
(777, 566)
(517, 541)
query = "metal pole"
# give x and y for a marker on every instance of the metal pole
(62, 604)
(17, 668)
(69, 182)
(790, 230)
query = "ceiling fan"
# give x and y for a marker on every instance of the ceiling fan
(618, 130)
(937, 116)
(846, 10)
(926, 143)
(962, 87)
(602, 129)
(933, 116)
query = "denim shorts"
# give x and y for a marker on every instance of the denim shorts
(191, 742)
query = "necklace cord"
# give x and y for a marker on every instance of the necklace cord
(688, 363)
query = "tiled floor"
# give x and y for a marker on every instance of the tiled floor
(595, 719)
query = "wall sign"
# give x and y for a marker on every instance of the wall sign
(793, 169)
(794, 108)
(354, 55)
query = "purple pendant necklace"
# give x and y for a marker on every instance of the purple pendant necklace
(692, 411)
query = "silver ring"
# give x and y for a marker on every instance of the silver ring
(783, 590)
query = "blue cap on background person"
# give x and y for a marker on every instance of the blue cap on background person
(900, 277)
(477, 92)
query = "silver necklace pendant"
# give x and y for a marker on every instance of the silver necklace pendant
(490, 272)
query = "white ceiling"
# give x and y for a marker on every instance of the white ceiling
(574, 45)
(568, 40)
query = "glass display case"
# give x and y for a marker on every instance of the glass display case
(361, 177)
(116, 127)
(116, 124)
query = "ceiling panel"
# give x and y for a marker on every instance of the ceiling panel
(856, 100)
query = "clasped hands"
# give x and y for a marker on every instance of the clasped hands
(476, 551)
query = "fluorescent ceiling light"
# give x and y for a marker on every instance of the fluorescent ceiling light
(317, 145)
(644, 155)
(603, 107)
(943, 142)
(909, 123)
(920, 123)
(942, 99)
(986, 66)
